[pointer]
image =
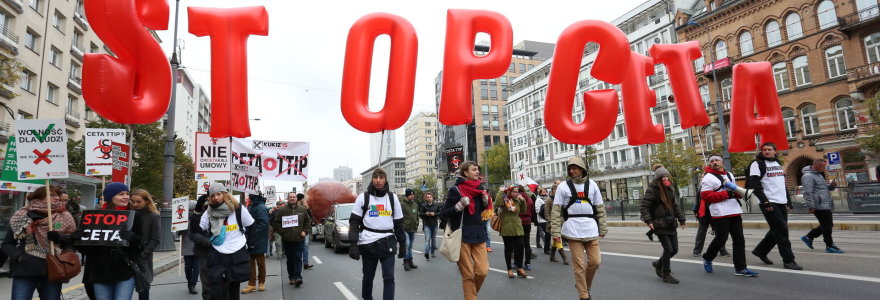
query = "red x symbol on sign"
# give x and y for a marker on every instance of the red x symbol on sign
(41, 156)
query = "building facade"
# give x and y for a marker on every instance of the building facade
(620, 170)
(825, 59)
(382, 146)
(192, 110)
(342, 173)
(421, 146)
(395, 168)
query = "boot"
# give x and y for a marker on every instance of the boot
(521, 273)
(510, 273)
(553, 256)
(192, 288)
(262, 286)
(667, 277)
(657, 268)
(249, 289)
(406, 266)
(412, 265)
(564, 258)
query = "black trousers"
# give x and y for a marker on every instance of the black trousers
(733, 227)
(670, 248)
(225, 290)
(826, 223)
(705, 223)
(778, 233)
(369, 269)
(203, 276)
(527, 231)
(513, 246)
(191, 268)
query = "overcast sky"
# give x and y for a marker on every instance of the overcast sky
(295, 73)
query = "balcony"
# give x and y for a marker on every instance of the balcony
(7, 91)
(17, 5)
(76, 51)
(74, 83)
(863, 18)
(861, 76)
(656, 79)
(8, 40)
(725, 104)
(79, 18)
(4, 130)
(91, 116)
(72, 117)
(660, 106)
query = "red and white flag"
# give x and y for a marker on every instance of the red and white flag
(523, 179)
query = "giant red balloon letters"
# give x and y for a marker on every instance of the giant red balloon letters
(401, 72)
(139, 78)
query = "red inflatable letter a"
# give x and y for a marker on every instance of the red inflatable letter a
(753, 81)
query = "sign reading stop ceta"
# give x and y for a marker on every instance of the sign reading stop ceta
(245, 179)
(42, 149)
(273, 159)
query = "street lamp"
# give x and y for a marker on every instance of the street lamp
(719, 110)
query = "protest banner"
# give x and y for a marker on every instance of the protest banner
(274, 160)
(180, 214)
(42, 149)
(245, 179)
(121, 156)
(271, 197)
(99, 161)
(211, 156)
(101, 227)
(454, 157)
(9, 177)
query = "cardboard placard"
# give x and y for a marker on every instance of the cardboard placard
(245, 179)
(121, 155)
(211, 154)
(98, 147)
(271, 196)
(101, 227)
(289, 221)
(42, 149)
(275, 160)
(179, 214)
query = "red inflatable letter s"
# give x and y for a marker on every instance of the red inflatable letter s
(753, 81)
(135, 86)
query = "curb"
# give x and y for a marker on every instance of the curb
(792, 225)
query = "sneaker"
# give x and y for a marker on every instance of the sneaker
(707, 265)
(807, 241)
(792, 266)
(488, 249)
(746, 273)
(427, 257)
(834, 249)
(763, 258)
(669, 279)
(528, 267)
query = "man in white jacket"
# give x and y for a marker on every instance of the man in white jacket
(726, 214)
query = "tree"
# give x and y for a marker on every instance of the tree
(430, 183)
(591, 154)
(871, 138)
(10, 71)
(496, 164)
(682, 161)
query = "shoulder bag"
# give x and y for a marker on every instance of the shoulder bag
(451, 245)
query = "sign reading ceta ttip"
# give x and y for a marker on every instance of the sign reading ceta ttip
(245, 179)
(99, 161)
(274, 160)
(42, 149)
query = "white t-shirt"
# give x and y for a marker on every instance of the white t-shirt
(378, 217)
(539, 202)
(725, 207)
(773, 181)
(579, 228)
(235, 239)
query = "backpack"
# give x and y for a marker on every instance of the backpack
(366, 206)
(699, 201)
(762, 168)
(574, 198)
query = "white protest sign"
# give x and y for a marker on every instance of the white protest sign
(179, 214)
(274, 160)
(289, 221)
(98, 150)
(271, 197)
(211, 155)
(42, 149)
(245, 179)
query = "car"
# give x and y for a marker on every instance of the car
(336, 227)
(864, 196)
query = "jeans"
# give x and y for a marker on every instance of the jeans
(527, 231)
(778, 233)
(294, 252)
(430, 238)
(191, 268)
(23, 288)
(369, 269)
(203, 274)
(826, 223)
(513, 246)
(488, 234)
(306, 249)
(541, 236)
(410, 237)
(120, 290)
(723, 227)
(473, 264)
(670, 248)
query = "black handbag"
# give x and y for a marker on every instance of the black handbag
(142, 279)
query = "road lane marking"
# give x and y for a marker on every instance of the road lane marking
(344, 290)
(318, 261)
(505, 272)
(812, 273)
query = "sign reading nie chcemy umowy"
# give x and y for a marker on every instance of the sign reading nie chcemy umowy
(42, 149)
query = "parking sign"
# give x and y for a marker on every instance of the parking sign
(834, 160)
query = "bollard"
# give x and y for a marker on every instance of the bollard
(166, 240)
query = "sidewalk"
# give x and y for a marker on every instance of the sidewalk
(761, 224)
(73, 290)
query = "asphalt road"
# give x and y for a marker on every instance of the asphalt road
(625, 273)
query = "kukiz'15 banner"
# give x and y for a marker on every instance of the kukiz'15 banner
(101, 227)
(274, 160)
(99, 150)
(454, 158)
(42, 149)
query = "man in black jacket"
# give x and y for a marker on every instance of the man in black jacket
(202, 245)
(429, 213)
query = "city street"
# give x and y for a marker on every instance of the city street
(625, 273)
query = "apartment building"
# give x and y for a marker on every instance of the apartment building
(421, 146)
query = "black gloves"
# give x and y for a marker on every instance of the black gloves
(401, 248)
(354, 252)
(128, 235)
(76, 235)
(54, 236)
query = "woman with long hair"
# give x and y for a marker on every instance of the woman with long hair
(509, 208)
(27, 244)
(468, 206)
(147, 228)
(228, 262)
(663, 215)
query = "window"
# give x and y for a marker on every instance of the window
(52, 94)
(788, 120)
(780, 76)
(512, 68)
(530, 66)
(810, 119)
(26, 81)
(621, 131)
(55, 57)
(801, 71)
(774, 36)
(35, 4)
(698, 64)
(745, 44)
(834, 58)
(720, 50)
(726, 89)
(58, 21)
(72, 105)
(522, 68)
(484, 109)
(846, 116)
(30, 39)
(709, 136)
(484, 90)
(77, 38)
(827, 15)
(4, 22)
(793, 27)
(704, 94)
(872, 47)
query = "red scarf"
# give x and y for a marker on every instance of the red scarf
(470, 189)
(107, 206)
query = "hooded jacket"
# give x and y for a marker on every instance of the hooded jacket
(653, 211)
(473, 230)
(259, 231)
(410, 214)
(816, 191)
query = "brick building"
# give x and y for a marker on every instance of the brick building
(825, 56)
